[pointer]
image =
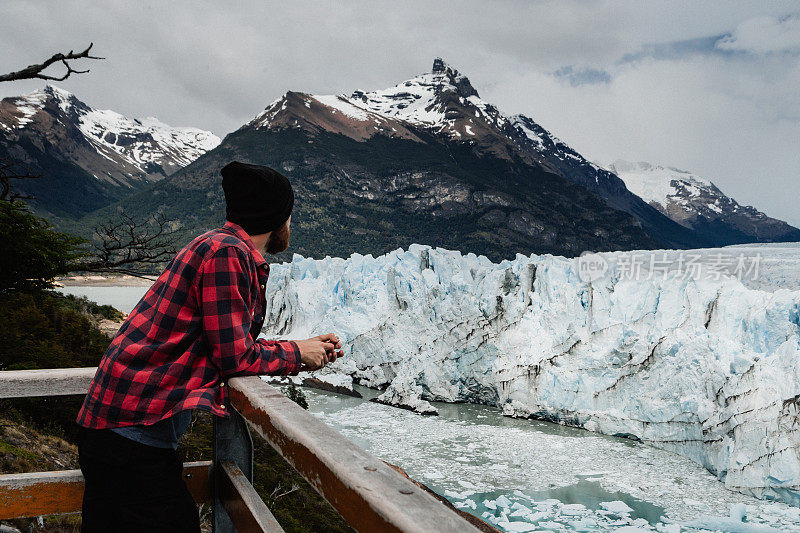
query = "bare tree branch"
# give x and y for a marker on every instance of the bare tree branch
(11, 169)
(279, 492)
(127, 246)
(36, 71)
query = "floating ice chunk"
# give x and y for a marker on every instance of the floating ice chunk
(401, 398)
(617, 507)
(491, 518)
(557, 526)
(516, 506)
(502, 501)
(459, 495)
(728, 525)
(595, 473)
(574, 509)
(584, 524)
(695, 503)
(466, 504)
(490, 504)
(738, 512)
(518, 526)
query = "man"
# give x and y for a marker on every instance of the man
(195, 327)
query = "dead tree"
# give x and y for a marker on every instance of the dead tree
(123, 245)
(36, 71)
(11, 169)
(128, 246)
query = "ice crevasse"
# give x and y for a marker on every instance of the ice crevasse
(707, 368)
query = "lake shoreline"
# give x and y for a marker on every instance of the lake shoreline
(97, 280)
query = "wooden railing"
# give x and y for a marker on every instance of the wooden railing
(368, 494)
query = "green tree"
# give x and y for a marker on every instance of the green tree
(296, 395)
(32, 253)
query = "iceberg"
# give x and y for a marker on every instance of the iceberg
(699, 365)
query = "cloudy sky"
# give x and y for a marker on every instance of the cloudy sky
(710, 87)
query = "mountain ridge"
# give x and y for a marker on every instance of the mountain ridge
(444, 103)
(426, 160)
(428, 147)
(698, 204)
(92, 157)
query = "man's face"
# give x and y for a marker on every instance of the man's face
(279, 239)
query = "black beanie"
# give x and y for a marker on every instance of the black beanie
(257, 198)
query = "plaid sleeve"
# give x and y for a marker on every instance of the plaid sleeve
(292, 351)
(225, 290)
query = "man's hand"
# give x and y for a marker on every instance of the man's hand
(317, 351)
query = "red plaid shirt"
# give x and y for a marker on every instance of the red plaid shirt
(194, 328)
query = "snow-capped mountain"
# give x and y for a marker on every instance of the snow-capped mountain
(55, 132)
(443, 103)
(697, 203)
(426, 160)
(440, 102)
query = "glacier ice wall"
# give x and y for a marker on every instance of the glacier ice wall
(707, 368)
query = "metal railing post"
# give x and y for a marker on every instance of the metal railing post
(232, 443)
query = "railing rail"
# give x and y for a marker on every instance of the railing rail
(47, 493)
(368, 494)
(49, 382)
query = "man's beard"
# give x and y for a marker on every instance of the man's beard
(278, 241)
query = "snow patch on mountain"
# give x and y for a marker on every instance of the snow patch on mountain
(263, 119)
(701, 366)
(158, 141)
(697, 203)
(660, 185)
(342, 105)
(417, 100)
(441, 101)
(138, 142)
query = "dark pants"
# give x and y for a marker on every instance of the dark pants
(132, 487)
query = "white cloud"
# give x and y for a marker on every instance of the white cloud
(762, 35)
(734, 121)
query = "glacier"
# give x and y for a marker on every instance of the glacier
(703, 366)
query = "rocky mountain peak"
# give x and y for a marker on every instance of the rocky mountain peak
(442, 101)
(453, 77)
(58, 93)
(439, 65)
(50, 95)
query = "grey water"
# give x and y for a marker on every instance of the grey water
(585, 491)
(120, 297)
